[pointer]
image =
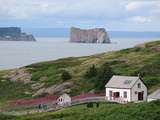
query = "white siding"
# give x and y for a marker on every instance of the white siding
(64, 100)
(151, 99)
(121, 91)
(135, 90)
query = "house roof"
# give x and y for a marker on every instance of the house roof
(155, 95)
(122, 81)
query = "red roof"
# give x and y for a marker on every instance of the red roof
(36, 101)
(88, 95)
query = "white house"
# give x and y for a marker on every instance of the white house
(126, 89)
(154, 96)
(64, 100)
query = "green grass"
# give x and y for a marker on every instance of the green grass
(130, 61)
(12, 91)
(141, 111)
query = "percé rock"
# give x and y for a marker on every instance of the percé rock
(14, 34)
(97, 35)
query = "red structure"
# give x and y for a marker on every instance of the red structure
(33, 102)
(86, 96)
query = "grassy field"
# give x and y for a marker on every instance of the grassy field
(130, 61)
(141, 111)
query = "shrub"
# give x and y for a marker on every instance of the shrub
(91, 72)
(66, 75)
(105, 72)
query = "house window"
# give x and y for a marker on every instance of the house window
(125, 94)
(116, 94)
(139, 85)
(110, 93)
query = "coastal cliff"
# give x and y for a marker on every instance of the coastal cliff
(97, 35)
(14, 34)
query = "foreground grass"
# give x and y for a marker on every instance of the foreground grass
(141, 111)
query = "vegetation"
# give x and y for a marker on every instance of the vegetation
(141, 111)
(66, 75)
(89, 73)
(92, 72)
(99, 76)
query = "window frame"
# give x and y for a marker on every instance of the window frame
(110, 93)
(139, 85)
(125, 94)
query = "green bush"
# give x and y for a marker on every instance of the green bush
(91, 72)
(66, 75)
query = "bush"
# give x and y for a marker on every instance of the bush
(66, 75)
(91, 72)
(105, 72)
(99, 76)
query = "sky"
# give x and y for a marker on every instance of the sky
(125, 15)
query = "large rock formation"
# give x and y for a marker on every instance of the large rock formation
(97, 35)
(14, 34)
(55, 89)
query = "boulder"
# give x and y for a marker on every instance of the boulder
(55, 89)
(19, 75)
(97, 35)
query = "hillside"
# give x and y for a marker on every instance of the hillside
(45, 78)
(141, 111)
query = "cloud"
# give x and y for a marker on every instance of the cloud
(23, 9)
(140, 19)
(134, 5)
(61, 13)
(142, 5)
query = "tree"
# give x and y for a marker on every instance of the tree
(66, 75)
(91, 72)
(105, 72)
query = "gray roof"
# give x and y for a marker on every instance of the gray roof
(155, 95)
(122, 81)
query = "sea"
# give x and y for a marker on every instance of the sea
(15, 54)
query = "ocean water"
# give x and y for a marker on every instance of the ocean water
(15, 54)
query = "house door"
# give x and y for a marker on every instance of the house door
(116, 94)
(140, 95)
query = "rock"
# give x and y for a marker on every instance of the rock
(141, 45)
(27, 37)
(27, 93)
(55, 89)
(97, 35)
(3, 80)
(144, 45)
(156, 49)
(14, 34)
(43, 78)
(37, 86)
(39, 92)
(19, 75)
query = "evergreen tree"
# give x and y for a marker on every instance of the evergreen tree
(66, 75)
(92, 72)
(104, 74)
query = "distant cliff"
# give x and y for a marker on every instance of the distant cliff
(97, 35)
(14, 34)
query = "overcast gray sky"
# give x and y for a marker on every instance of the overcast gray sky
(136, 15)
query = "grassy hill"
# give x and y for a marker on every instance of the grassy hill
(141, 111)
(144, 59)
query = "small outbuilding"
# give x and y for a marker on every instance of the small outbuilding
(154, 96)
(123, 89)
(64, 100)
